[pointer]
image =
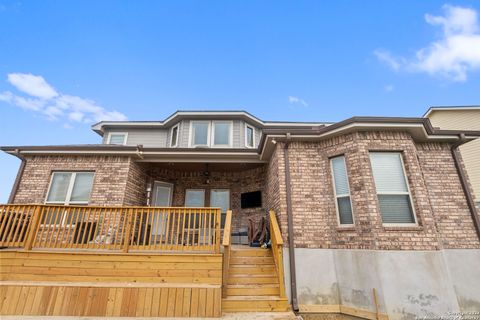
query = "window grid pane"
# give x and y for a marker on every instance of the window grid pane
(345, 210)
(388, 172)
(220, 198)
(82, 187)
(117, 138)
(195, 198)
(249, 137)
(173, 142)
(59, 187)
(396, 209)
(200, 133)
(221, 133)
(340, 175)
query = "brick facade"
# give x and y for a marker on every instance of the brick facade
(109, 183)
(443, 217)
(441, 209)
(237, 182)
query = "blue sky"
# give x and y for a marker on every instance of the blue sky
(66, 64)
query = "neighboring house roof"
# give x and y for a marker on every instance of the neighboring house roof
(419, 128)
(449, 108)
(199, 115)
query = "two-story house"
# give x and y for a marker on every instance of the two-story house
(377, 215)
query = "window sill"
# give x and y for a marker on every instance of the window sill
(346, 228)
(403, 228)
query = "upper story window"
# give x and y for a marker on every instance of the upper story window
(222, 133)
(200, 133)
(211, 133)
(117, 138)
(392, 188)
(174, 136)
(342, 191)
(70, 188)
(249, 136)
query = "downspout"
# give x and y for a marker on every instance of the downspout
(464, 182)
(16, 184)
(291, 246)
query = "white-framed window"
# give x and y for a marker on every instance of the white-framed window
(200, 133)
(249, 136)
(222, 133)
(211, 133)
(117, 138)
(174, 136)
(68, 188)
(393, 192)
(341, 189)
(195, 198)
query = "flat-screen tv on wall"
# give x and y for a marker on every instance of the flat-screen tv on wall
(251, 199)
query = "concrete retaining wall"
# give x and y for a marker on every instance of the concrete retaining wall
(409, 283)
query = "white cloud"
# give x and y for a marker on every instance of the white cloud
(297, 100)
(44, 99)
(34, 86)
(453, 56)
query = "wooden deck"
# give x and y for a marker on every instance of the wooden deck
(94, 284)
(108, 261)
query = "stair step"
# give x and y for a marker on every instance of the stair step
(251, 280)
(256, 252)
(251, 269)
(255, 303)
(252, 289)
(251, 260)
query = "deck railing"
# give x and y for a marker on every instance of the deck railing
(227, 236)
(110, 228)
(277, 246)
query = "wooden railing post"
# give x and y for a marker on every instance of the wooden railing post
(128, 231)
(32, 231)
(218, 225)
(226, 250)
(277, 245)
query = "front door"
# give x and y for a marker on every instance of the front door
(162, 197)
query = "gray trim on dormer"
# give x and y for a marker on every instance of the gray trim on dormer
(178, 116)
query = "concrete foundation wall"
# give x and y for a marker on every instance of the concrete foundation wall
(409, 283)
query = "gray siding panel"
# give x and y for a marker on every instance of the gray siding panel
(237, 129)
(184, 133)
(146, 137)
(258, 136)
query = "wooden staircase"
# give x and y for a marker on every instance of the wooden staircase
(252, 283)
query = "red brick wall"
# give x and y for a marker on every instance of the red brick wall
(440, 205)
(109, 184)
(450, 209)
